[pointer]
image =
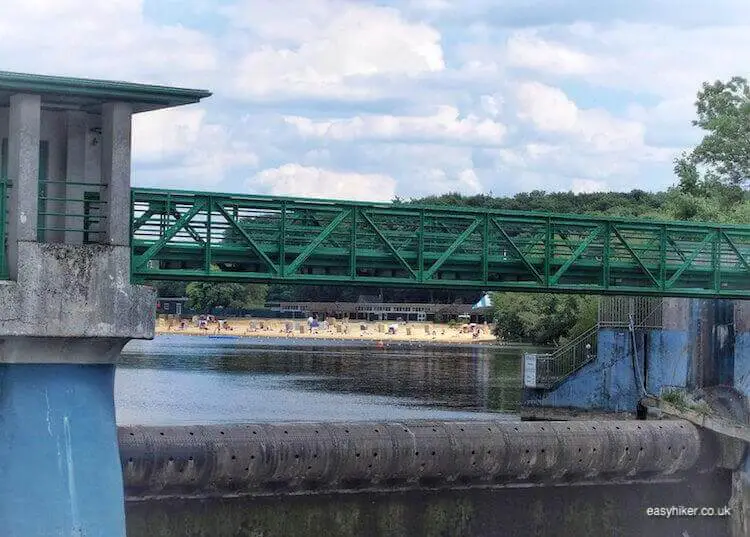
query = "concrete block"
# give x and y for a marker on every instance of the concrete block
(116, 142)
(69, 291)
(676, 313)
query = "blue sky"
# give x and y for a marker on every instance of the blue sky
(368, 100)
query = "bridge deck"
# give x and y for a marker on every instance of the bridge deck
(227, 237)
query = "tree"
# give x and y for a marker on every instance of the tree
(166, 289)
(722, 159)
(205, 296)
(541, 319)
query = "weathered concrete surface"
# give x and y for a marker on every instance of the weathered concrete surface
(116, 131)
(741, 479)
(595, 511)
(260, 459)
(23, 172)
(75, 291)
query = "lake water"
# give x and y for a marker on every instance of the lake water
(184, 379)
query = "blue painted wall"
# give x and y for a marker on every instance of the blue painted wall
(607, 383)
(669, 358)
(60, 471)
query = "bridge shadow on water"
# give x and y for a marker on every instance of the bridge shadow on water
(579, 511)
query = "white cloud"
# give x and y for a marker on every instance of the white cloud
(525, 49)
(445, 125)
(581, 186)
(664, 60)
(180, 148)
(654, 58)
(297, 180)
(163, 134)
(334, 47)
(383, 71)
(550, 110)
(111, 39)
(492, 104)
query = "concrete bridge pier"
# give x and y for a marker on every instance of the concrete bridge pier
(67, 306)
(65, 321)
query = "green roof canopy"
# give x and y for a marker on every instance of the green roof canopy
(67, 93)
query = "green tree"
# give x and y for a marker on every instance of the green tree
(205, 296)
(722, 159)
(168, 288)
(541, 319)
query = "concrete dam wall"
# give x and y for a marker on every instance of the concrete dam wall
(302, 458)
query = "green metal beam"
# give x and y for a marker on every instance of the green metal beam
(576, 254)
(247, 237)
(170, 233)
(635, 255)
(390, 246)
(518, 252)
(295, 265)
(696, 252)
(452, 248)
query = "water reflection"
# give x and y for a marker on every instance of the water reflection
(217, 378)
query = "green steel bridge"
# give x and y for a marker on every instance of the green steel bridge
(181, 235)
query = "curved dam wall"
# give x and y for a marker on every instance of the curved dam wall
(294, 458)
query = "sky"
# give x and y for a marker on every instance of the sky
(370, 100)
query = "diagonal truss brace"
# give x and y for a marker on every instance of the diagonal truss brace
(453, 247)
(518, 252)
(317, 241)
(194, 234)
(248, 238)
(635, 256)
(138, 222)
(710, 236)
(388, 243)
(736, 250)
(576, 254)
(170, 233)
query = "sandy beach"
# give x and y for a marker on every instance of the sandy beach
(336, 329)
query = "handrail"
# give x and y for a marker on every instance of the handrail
(554, 367)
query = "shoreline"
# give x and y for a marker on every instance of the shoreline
(376, 332)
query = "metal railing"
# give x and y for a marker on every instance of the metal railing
(617, 311)
(67, 207)
(552, 368)
(614, 312)
(3, 229)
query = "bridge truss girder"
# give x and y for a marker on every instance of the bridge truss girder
(222, 237)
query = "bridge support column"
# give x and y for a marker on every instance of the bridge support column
(59, 457)
(62, 326)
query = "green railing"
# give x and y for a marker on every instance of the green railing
(211, 236)
(62, 212)
(4, 229)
